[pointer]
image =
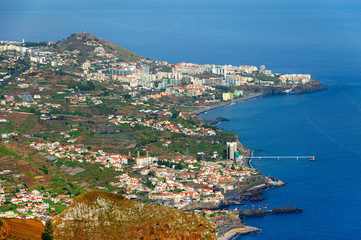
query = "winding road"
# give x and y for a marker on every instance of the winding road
(26, 66)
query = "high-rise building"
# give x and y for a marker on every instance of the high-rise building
(120, 72)
(231, 150)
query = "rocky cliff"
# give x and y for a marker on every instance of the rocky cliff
(103, 215)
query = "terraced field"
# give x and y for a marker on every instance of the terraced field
(24, 229)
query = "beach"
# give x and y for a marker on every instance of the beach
(222, 104)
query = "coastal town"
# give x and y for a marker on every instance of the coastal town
(84, 114)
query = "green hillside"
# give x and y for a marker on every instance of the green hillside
(84, 43)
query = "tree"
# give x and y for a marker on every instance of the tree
(175, 114)
(149, 184)
(46, 236)
(48, 231)
(178, 166)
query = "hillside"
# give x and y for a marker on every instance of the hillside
(103, 215)
(86, 44)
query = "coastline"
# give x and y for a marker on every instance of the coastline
(222, 104)
(249, 152)
(232, 231)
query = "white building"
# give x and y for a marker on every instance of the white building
(145, 160)
(231, 150)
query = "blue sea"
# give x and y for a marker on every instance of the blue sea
(322, 38)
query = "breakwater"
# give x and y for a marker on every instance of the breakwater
(230, 232)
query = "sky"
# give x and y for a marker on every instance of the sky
(178, 4)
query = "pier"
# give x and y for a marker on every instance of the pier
(311, 158)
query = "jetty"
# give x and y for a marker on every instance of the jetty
(311, 158)
(230, 232)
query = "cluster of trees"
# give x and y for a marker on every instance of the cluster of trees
(88, 86)
(35, 44)
(177, 166)
(149, 184)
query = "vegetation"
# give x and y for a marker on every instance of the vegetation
(35, 44)
(7, 151)
(88, 86)
(73, 43)
(138, 220)
(48, 231)
(104, 116)
(21, 229)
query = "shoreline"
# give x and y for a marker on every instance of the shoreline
(234, 231)
(231, 232)
(247, 159)
(223, 104)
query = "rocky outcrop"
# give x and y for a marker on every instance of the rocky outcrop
(281, 210)
(232, 201)
(312, 86)
(214, 121)
(261, 212)
(252, 195)
(213, 206)
(200, 206)
(102, 215)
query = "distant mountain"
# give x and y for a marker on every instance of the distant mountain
(86, 43)
(103, 215)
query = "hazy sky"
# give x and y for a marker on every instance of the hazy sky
(177, 4)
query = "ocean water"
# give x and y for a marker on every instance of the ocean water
(318, 37)
(325, 124)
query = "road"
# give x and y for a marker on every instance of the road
(26, 66)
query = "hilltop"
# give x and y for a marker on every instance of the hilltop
(103, 215)
(86, 43)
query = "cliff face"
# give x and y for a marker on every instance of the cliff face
(103, 215)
